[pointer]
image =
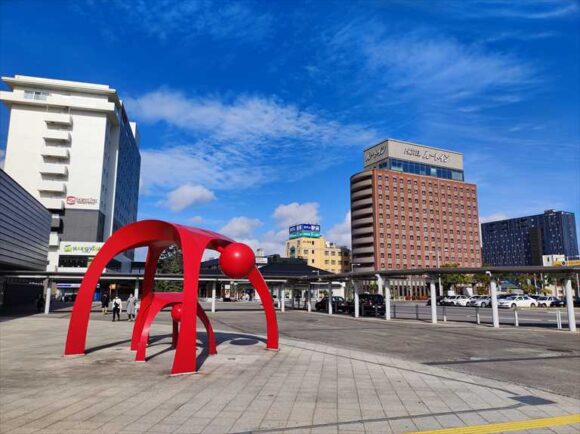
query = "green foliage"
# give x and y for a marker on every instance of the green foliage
(170, 262)
(450, 280)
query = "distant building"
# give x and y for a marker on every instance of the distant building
(411, 208)
(24, 234)
(72, 147)
(306, 242)
(524, 240)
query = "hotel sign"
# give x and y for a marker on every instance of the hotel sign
(437, 157)
(394, 149)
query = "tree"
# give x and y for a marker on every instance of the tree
(170, 262)
(481, 280)
(453, 279)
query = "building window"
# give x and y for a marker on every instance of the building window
(35, 94)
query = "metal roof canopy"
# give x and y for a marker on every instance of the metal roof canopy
(369, 275)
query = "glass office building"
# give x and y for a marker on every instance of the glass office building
(523, 240)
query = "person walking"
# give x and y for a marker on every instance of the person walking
(105, 302)
(130, 307)
(40, 303)
(117, 307)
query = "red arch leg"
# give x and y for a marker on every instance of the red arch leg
(154, 308)
(128, 237)
(186, 351)
(209, 329)
(146, 292)
(259, 283)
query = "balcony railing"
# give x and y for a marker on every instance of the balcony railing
(52, 186)
(54, 169)
(55, 152)
(57, 135)
(58, 119)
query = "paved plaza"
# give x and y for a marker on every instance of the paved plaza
(306, 387)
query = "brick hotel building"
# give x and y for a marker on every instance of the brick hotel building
(411, 208)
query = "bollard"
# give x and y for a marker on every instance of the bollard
(477, 317)
(363, 309)
(559, 319)
(444, 314)
(516, 320)
(376, 311)
(394, 310)
(417, 311)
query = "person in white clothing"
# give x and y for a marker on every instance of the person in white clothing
(117, 308)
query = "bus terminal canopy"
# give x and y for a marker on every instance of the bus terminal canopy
(280, 276)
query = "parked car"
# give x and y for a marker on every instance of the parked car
(480, 301)
(339, 304)
(438, 302)
(369, 304)
(455, 300)
(562, 302)
(548, 301)
(516, 301)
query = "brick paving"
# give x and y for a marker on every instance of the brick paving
(304, 388)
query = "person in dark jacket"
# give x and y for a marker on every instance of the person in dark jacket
(105, 302)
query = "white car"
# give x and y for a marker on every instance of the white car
(480, 301)
(517, 301)
(547, 301)
(455, 300)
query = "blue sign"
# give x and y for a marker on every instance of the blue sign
(305, 227)
(304, 230)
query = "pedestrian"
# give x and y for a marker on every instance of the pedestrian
(40, 303)
(105, 302)
(117, 307)
(130, 307)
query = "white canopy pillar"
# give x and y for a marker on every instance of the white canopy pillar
(47, 295)
(329, 297)
(433, 301)
(356, 299)
(570, 305)
(494, 309)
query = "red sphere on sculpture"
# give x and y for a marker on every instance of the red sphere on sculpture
(176, 312)
(237, 260)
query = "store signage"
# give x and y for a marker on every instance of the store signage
(74, 200)
(80, 248)
(304, 230)
(427, 155)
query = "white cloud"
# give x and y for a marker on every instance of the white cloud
(240, 227)
(340, 232)
(294, 213)
(187, 195)
(196, 219)
(245, 119)
(273, 241)
(427, 65)
(189, 19)
(239, 143)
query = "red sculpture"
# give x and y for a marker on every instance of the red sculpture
(237, 261)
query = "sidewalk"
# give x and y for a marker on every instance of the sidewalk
(304, 388)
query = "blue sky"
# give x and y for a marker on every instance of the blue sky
(253, 115)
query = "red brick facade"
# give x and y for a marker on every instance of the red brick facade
(414, 216)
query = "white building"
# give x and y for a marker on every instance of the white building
(71, 145)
